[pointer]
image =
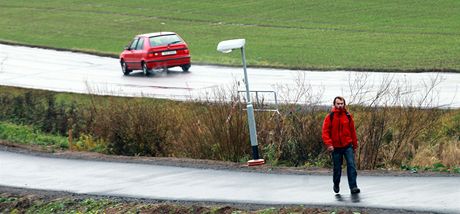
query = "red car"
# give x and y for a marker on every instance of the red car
(155, 50)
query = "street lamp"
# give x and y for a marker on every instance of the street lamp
(226, 47)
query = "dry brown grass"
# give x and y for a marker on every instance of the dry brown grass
(450, 153)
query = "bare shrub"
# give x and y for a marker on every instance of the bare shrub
(372, 134)
(391, 136)
(371, 120)
(216, 129)
(132, 127)
(408, 127)
(300, 124)
(301, 140)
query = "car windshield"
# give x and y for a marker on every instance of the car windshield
(165, 40)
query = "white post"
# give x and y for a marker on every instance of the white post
(250, 110)
(227, 47)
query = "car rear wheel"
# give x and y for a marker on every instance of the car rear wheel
(145, 70)
(124, 68)
(185, 68)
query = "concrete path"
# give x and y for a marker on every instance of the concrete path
(435, 194)
(84, 73)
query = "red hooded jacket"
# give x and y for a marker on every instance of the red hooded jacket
(341, 131)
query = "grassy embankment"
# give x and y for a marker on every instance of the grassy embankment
(23, 134)
(390, 137)
(327, 35)
(34, 203)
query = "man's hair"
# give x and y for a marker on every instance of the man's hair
(339, 98)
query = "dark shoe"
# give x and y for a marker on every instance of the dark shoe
(336, 188)
(355, 190)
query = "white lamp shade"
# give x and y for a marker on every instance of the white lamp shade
(228, 45)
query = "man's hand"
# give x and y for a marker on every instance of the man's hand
(330, 148)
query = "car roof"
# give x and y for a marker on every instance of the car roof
(155, 34)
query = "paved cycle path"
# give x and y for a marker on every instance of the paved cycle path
(436, 194)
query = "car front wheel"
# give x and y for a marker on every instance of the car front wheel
(185, 68)
(124, 68)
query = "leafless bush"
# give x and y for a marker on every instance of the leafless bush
(133, 127)
(371, 121)
(217, 128)
(300, 123)
(389, 134)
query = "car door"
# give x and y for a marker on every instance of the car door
(138, 53)
(129, 54)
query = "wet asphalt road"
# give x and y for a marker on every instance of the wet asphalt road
(434, 194)
(84, 73)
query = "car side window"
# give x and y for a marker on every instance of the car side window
(133, 44)
(140, 44)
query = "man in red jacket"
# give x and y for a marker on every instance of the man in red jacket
(339, 136)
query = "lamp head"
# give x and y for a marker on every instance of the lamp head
(228, 45)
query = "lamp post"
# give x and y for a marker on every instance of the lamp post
(226, 47)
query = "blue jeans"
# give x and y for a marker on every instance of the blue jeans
(337, 158)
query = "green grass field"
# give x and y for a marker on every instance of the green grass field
(22, 134)
(328, 35)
